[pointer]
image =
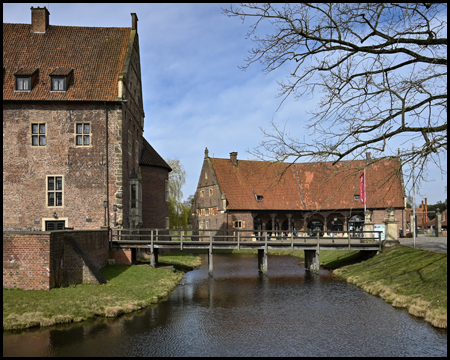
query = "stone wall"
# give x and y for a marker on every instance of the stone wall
(44, 260)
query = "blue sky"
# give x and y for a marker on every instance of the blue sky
(195, 96)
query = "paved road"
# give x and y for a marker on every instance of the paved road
(438, 244)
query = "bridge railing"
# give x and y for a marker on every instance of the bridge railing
(153, 235)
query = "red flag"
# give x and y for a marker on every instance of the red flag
(362, 193)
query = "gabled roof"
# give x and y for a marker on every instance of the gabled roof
(307, 186)
(149, 156)
(96, 55)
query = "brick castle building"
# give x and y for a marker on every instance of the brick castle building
(252, 195)
(74, 155)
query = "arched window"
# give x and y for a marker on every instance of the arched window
(314, 225)
(356, 223)
(285, 228)
(335, 225)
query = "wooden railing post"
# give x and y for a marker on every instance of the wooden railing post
(181, 240)
(239, 237)
(349, 240)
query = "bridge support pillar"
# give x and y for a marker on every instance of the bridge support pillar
(154, 257)
(262, 261)
(312, 260)
(210, 262)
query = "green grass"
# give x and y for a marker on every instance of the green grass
(415, 279)
(128, 288)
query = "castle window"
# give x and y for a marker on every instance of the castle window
(58, 83)
(23, 83)
(211, 192)
(356, 197)
(206, 175)
(38, 136)
(202, 193)
(133, 196)
(60, 78)
(25, 78)
(83, 134)
(238, 224)
(54, 190)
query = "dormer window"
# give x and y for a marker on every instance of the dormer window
(60, 79)
(23, 83)
(25, 78)
(58, 83)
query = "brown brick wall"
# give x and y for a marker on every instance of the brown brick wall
(122, 256)
(26, 167)
(43, 260)
(155, 208)
(26, 259)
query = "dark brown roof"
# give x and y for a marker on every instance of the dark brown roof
(307, 186)
(61, 71)
(149, 156)
(26, 71)
(96, 55)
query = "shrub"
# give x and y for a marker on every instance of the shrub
(409, 235)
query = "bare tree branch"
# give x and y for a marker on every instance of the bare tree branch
(382, 72)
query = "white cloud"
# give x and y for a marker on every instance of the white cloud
(194, 94)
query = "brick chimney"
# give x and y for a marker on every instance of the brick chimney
(134, 20)
(39, 19)
(233, 158)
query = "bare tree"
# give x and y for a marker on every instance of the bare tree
(381, 70)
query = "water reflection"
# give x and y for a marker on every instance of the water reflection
(240, 313)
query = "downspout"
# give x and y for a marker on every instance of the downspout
(107, 166)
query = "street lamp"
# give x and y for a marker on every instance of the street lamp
(105, 205)
(115, 212)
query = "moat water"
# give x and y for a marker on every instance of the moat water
(238, 312)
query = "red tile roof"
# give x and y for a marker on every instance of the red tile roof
(307, 186)
(96, 55)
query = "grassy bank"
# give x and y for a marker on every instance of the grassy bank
(128, 288)
(408, 278)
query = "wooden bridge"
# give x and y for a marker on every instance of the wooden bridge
(311, 242)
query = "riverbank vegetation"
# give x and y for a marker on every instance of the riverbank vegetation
(128, 288)
(409, 278)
